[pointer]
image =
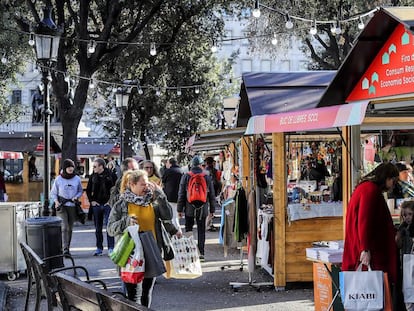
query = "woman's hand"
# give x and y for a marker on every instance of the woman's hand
(365, 257)
(133, 220)
(179, 234)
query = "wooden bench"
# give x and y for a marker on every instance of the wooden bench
(39, 275)
(75, 294)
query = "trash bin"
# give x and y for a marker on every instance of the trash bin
(44, 236)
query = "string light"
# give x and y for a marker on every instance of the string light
(158, 91)
(288, 24)
(91, 46)
(31, 39)
(256, 11)
(197, 90)
(178, 91)
(153, 50)
(313, 30)
(140, 90)
(4, 59)
(361, 24)
(338, 29)
(91, 84)
(274, 39)
(214, 47)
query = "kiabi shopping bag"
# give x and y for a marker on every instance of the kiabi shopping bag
(186, 262)
(408, 278)
(362, 290)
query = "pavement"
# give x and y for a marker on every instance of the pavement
(210, 292)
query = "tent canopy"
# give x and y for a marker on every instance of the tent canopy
(214, 140)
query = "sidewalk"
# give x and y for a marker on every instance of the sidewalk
(209, 292)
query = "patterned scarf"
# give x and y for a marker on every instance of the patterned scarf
(131, 197)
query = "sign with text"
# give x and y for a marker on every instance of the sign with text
(392, 71)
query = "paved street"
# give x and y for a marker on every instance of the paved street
(209, 292)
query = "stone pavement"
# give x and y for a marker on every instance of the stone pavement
(209, 292)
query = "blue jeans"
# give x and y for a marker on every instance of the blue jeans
(100, 218)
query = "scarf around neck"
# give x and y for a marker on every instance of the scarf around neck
(131, 197)
(65, 175)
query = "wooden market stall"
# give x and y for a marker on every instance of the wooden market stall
(285, 105)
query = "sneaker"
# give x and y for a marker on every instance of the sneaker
(110, 250)
(98, 252)
(202, 258)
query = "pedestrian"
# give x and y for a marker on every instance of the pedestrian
(196, 211)
(98, 191)
(171, 184)
(370, 233)
(405, 235)
(152, 171)
(143, 203)
(127, 164)
(403, 188)
(2, 187)
(66, 192)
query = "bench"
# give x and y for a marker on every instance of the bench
(39, 275)
(75, 294)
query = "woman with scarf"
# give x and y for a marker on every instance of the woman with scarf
(144, 203)
(66, 190)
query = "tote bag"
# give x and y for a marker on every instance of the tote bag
(154, 266)
(362, 290)
(123, 248)
(186, 263)
(408, 278)
(135, 267)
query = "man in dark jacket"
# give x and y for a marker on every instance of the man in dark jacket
(98, 192)
(171, 184)
(199, 213)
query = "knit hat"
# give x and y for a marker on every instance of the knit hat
(401, 167)
(68, 163)
(196, 161)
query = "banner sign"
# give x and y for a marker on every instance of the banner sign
(392, 71)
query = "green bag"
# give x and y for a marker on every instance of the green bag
(123, 248)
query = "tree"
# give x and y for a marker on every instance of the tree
(329, 47)
(116, 27)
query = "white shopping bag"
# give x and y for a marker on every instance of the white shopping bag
(362, 290)
(408, 278)
(186, 262)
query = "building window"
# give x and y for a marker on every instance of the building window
(285, 65)
(17, 97)
(266, 65)
(246, 65)
(245, 40)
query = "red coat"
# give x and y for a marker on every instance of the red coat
(369, 226)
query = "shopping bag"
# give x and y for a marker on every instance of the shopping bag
(154, 266)
(134, 270)
(123, 248)
(167, 247)
(408, 278)
(388, 304)
(362, 290)
(186, 262)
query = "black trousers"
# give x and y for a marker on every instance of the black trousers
(201, 230)
(145, 291)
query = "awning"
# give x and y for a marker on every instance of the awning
(215, 140)
(94, 149)
(25, 142)
(310, 119)
(11, 155)
(279, 92)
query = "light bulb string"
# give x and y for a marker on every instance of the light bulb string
(355, 17)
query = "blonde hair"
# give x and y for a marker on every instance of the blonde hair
(130, 176)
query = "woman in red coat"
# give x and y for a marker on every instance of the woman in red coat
(370, 233)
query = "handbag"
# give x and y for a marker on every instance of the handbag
(154, 266)
(362, 290)
(123, 248)
(167, 247)
(134, 270)
(408, 277)
(186, 263)
(80, 214)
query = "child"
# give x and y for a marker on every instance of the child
(405, 234)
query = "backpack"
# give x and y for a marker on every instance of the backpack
(197, 189)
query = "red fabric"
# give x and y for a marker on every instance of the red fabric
(369, 226)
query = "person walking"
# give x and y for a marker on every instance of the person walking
(370, 234)
(127, 164)
(152, 171)
(2, 187)
(195, 210)
(98, 191)
(143, 203)
(66, 191)
(171, 185)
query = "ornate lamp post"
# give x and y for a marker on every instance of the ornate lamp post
(122, 98)
(47, 38)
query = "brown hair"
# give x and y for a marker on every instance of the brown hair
(406, 204)
(380, 174)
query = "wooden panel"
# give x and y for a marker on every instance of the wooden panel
(279, 204)
(323, 224)
(300, 277)
(247, 183)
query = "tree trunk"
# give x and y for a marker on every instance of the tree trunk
(128, 152)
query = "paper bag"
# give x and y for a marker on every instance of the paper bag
(186, 263)
(408, 278)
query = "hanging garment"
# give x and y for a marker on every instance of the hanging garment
(241, 226)
(226, 236)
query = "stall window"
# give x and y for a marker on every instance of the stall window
(13, 170)
(266, 65)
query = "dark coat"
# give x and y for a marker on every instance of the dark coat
(99, 186)
(369, 226)
(171, 182)
(184, 206)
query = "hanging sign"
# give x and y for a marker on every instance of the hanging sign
(392, 71)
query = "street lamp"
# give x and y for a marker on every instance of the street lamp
(122, 98)
(47, 37)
